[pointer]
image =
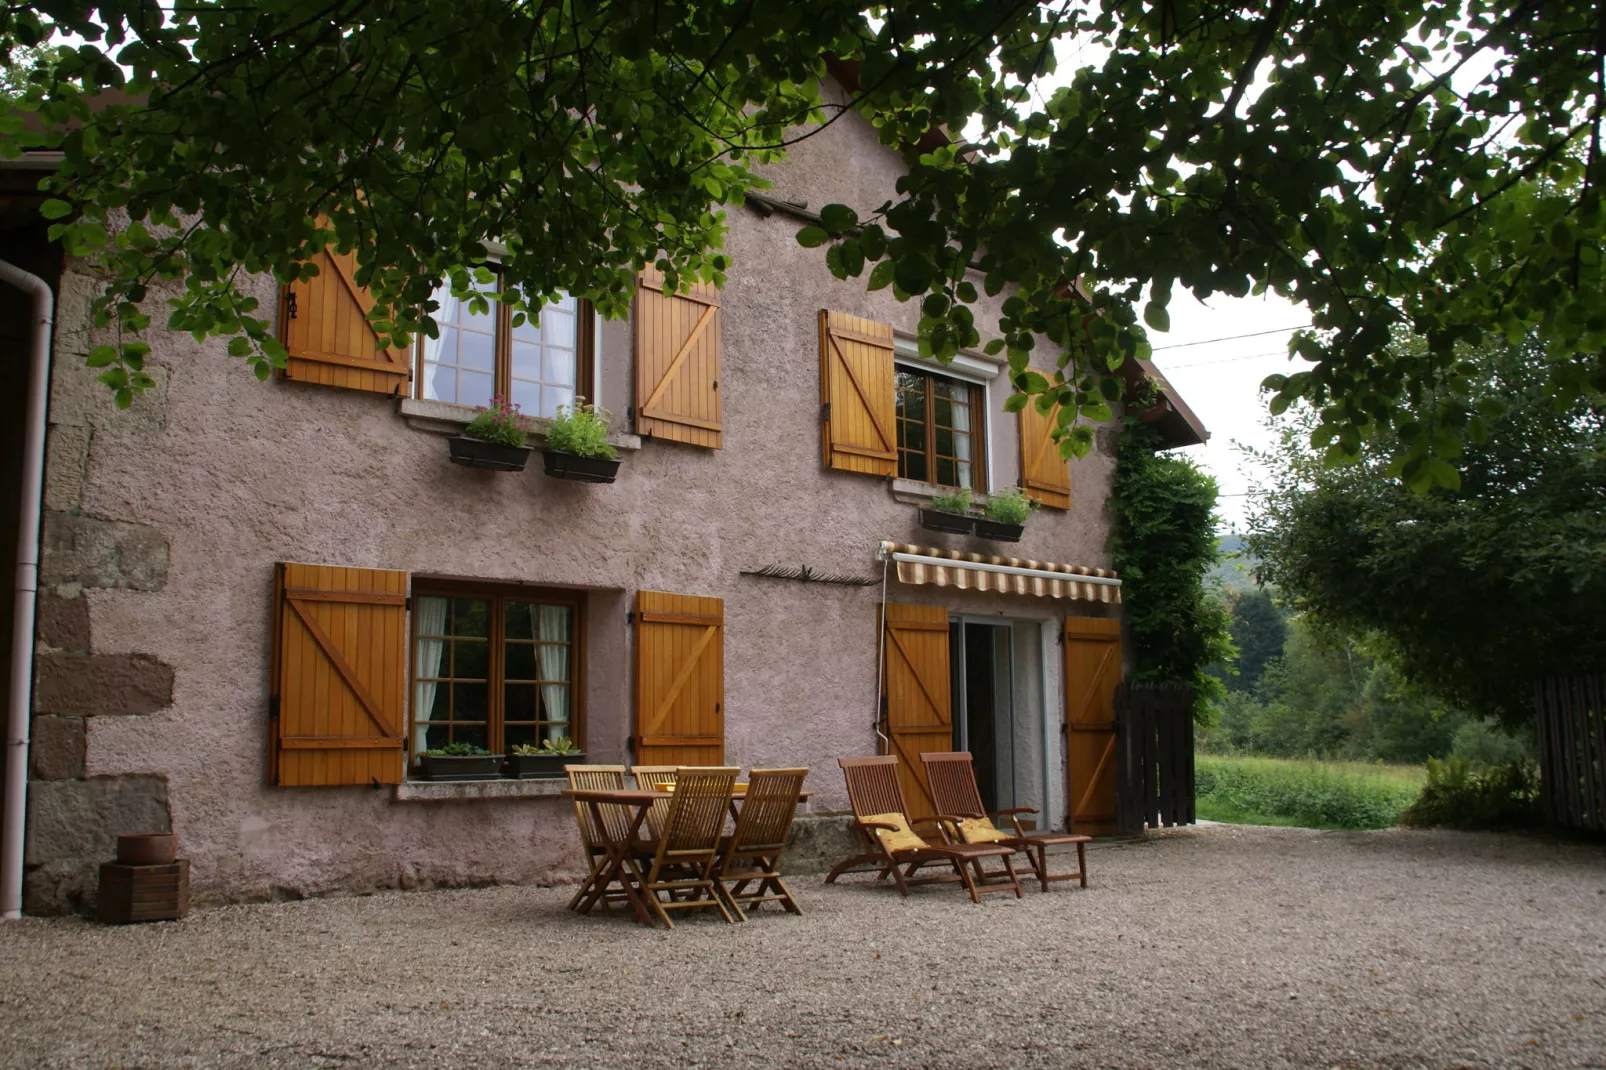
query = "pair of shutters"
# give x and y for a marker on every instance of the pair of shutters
(340, 672)
(918, 715)
(858, 412)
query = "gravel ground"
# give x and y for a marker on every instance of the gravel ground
(1219, 946)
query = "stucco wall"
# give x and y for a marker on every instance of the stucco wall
(165, 522)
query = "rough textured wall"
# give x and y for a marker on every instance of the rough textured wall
(165, 521)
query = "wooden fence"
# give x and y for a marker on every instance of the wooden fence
(1154, 742)
(1571, 713)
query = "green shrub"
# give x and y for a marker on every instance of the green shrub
(457, 750)
(1010, 506)
(957, 502)
(1306, 793)
(1484, 743)
(1460, 795)
(582, 429)
(501, 423)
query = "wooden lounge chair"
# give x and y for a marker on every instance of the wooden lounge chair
(648, 777)
(681, 863)
(952, 777)
(592, 838)
(753, 852)
(894, 849)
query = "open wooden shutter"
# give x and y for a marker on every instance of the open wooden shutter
(915, 695)
(1092, 672)
(1044, 474)
(677, 362)
(330, 339)
(339, 676)
(680, 679)
(858, 397)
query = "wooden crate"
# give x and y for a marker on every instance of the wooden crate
(143, 893)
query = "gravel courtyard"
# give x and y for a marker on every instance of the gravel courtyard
(1220, 946)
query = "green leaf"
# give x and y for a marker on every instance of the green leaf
(55, 209)
(838, 218)
(881, 275)
(1016, 402)
(811, 237)
(1156, 316)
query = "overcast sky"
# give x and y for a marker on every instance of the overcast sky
(1218, 371)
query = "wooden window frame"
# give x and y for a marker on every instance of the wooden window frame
(978, 430)
(496, 678)
(585, 351)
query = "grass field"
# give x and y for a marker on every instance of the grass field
(1304, 793)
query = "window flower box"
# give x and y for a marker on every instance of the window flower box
(460, 767)
(541, 766)
(493, 456)
(952, 523)
(561, 464)
(998, 530)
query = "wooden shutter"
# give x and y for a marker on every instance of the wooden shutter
(329, 336)
(858, 397)
(680, 679)
(1092, 672)
(1044, 474)
(915, 694)
(677, 362)
(339, 676)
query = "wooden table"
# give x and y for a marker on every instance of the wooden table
(618, 864)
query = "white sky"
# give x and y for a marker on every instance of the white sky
(1220, 379)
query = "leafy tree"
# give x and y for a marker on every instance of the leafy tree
(1478, 590)
(1259, 632)
(1350, 156)
(1164, 547)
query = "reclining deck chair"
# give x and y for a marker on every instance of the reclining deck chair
(682, 861)
(894, 848)
(952, 777)
(753, 852)
(597, 778)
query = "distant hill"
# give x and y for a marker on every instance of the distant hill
(1236, 571)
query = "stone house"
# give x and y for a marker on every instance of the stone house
(259, 601)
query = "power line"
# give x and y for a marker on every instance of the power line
(1231, 337)
(1224, 360)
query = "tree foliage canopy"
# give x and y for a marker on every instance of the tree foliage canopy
(1385, 162)
(1480, 589)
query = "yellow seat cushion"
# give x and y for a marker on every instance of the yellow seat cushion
(980, 830)
(902, 838)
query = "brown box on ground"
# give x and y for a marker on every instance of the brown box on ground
(144, 893)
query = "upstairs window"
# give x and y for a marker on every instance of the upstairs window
(480, 355)
(940, 431)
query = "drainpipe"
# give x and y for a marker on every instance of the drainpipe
(27, 588)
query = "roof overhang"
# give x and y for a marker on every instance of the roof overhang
(1170, 416)
(1008, 575)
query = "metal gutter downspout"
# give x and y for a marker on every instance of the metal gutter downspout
(27, 589)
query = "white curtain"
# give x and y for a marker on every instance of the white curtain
(429, 619)
(551, 627)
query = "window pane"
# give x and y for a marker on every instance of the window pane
(943, 412)
(945, 442)
(475, 388)
(555, 706)
(470, 702)
(520, 702)
(557, 323)
(560, 366)
(517, 621)
(527, 396)
(526, 361)
(471, 659)
(471, 616)
(473, 734)
(437, 735)
(912, 466)
(467, 341)
(476, 350)
(552, 397)
(518, 735)
(520, 663)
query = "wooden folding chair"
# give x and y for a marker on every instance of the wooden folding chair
(952, 777)
(592, 838)
(648, 777)
(894, 849)
(682, 863)
(753, 852)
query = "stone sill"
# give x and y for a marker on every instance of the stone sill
(445, 418)
(914, 492)
(468, 790)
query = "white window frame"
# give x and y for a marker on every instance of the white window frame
(967, 368)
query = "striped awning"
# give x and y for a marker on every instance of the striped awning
(1007, 575)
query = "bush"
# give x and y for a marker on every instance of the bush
(502, 424)
(957, 502)
(1459, 795)
(580, 429)
(1486, 743)
(1306, 793)
(457, 750)
(1010, 506)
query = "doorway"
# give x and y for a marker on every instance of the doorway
(996, 692)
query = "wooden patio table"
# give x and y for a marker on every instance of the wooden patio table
(618, 865)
